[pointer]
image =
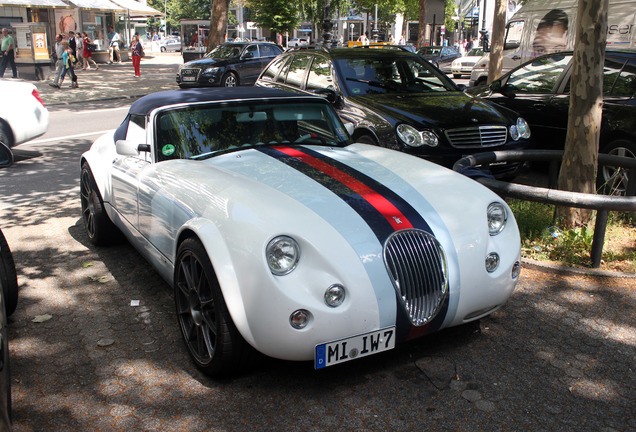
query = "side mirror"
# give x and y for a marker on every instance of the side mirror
(328, 94)
(461, 87)
(6, 156)
(129, 148)
(495, 86)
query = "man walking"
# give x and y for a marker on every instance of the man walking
(113, 48)
(8, 52)
(59, 63)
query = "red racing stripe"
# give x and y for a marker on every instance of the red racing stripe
(396, 218)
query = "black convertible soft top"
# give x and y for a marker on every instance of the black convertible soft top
(146, 104)
(152, 101)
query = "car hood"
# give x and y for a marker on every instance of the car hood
(206, 62)
(435, 110)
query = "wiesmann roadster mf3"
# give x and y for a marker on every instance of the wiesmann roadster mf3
(280, 235)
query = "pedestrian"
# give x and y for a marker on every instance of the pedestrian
(8, 53)
(69, 60)
(364, 39)
(80, 51)
(402, 40)
(88, 53)
(59, 63)
(113, 46)
(72, 43)
(137, 52)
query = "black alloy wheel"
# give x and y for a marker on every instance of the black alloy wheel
(208, 331)
(366, 139)
(99, 228)
(613, 180)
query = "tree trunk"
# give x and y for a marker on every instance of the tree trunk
(497, 41)
(421, 34)
(218, 23)
(580, 158)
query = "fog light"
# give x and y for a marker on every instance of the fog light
(516, 270)
(300, 318)
(492, 262)
(335, 295)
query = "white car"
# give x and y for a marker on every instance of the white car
(280, 235)
(464, 65)
(296, 42)
(171, 44)
(23, 115)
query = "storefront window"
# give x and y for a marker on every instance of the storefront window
(94, 23)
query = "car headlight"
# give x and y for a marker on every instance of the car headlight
(414, 138)
(497, 216)
(282, 255)
(520, 130)
(211, 70)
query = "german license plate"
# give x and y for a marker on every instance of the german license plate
(188, 78)
(340, 351)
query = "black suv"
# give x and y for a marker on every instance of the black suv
(228, 65)
(399, 100)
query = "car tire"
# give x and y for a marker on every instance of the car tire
(613, 180)
(99, 228)
(457, 76)
(8, 277)
(229, 80)
(5, 136)
(163, 49)
(213, 341)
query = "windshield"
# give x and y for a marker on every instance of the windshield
(225, 52)
(201, 131)
(403, 74)
(430, 51)
(475, 52)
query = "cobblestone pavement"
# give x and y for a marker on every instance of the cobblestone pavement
(559, 356)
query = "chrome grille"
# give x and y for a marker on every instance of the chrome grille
(417, 266)
(477, 137)
(190, 72)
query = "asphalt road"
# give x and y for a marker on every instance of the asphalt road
(559, 356)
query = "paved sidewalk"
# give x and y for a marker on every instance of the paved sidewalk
(115, 81)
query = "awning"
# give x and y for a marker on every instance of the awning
(137, 9)
(96, 5)
(29, 3)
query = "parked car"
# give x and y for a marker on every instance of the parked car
(463, 65)
(296, 42)
(440, 56)
(172, 44)
(540, 91)
(228, 65)
(25, 117)
(279, 235)
(8, 293)
(398, 100)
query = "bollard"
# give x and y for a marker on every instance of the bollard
(599, 237)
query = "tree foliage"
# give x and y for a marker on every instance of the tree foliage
(279, 16)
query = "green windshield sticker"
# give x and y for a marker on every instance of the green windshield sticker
(167, 150)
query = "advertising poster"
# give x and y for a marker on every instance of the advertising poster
(66, 20)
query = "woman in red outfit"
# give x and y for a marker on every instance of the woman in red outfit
(87, 54)
(137, 51)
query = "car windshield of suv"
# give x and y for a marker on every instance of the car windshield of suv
(404, 74)
(202, 131)
(225, 52)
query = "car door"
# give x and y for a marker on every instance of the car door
(531, 91)
(126, 172)
(249, 65)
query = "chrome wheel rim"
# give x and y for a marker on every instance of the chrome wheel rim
(616, 177)
(230, 81)
(196, 308)
(88, 198)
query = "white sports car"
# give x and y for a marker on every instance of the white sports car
(278, 234)
(23, 115)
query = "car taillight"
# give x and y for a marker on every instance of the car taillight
(37, 96)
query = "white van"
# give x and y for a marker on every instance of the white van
(545, 26)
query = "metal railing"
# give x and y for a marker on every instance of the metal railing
(601, 203)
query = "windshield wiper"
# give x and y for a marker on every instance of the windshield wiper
(373, 83)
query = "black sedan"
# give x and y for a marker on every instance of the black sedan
(228, 65)
(441, 56)
(398, 100)
(540, 91)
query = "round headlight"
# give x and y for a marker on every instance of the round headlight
(409, 135)
(523, 128)
(497, 216)
(300, 318)
(335, 295)
(514, 133)
(492, 262)
(282, 255)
